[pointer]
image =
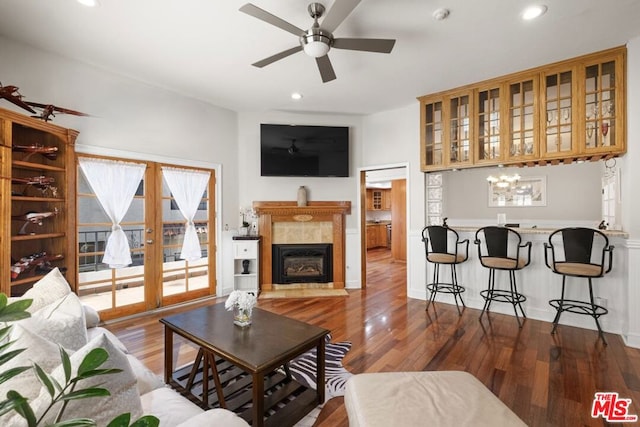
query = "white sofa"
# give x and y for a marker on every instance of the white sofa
(58, 318)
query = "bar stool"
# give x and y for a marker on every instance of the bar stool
(579, 252)
(499, 249)
(441, 245)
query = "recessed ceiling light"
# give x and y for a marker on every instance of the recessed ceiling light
(89, 3)
(532, 12)
(296, 96)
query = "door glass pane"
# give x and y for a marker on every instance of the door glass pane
(600, 105)
(459, 148)
(488, 124)
(521, 118)
(433, 133)
(100, 286)
(180, 276)
(559, 113)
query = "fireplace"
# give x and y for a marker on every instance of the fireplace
(302, 263)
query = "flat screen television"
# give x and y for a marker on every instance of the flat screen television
(293, 150)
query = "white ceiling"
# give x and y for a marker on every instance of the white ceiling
(204, 48)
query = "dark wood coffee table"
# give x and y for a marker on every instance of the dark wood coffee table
(242, 364)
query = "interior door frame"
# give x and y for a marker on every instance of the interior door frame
(362, 215)
(215, 225)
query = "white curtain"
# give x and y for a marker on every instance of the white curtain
(114, 184)
(187, 187)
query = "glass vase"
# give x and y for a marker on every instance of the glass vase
(241, 316)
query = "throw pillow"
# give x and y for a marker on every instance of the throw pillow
(91, 316)
(145, 378)
(49, 289)
(122, 386)
(61, 322)
(37, 350)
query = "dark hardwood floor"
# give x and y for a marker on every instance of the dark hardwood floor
(546, 380)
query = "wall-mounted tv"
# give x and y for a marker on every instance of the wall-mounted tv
(294, 150)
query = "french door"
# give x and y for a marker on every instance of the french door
(155, 229)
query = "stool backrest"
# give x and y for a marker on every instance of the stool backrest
(442, 240)
(579, 245)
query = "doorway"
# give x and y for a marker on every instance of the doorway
(383, 217)
(155, 229)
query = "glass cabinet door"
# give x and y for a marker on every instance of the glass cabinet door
(522, 119)
(489, 148)
(433, 135)
(459, 131)
(558, 116)
(600, 106)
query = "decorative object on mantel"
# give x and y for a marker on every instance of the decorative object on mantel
(242, 303)
(302, 196)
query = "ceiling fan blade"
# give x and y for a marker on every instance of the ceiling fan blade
(338, 13)
(277, 57)
(368, 45)
(326, 69)
(267, 17)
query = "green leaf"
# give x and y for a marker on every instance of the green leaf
(5, 357)
(4, 332)
(121, 420)
(23, 408)
(146, 421)
(97, 372)
(66, 364)
(85, 393)
(78, 422)
(46, 380)
(3, 301)
(8, 374)
(17, 310)
(92, 360)
(9, 404)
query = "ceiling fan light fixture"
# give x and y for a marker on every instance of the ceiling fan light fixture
(315, 43)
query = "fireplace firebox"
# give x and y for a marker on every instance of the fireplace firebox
(302, 263)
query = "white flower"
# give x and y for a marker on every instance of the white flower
(244, 300)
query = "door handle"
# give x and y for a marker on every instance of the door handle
(150, 241)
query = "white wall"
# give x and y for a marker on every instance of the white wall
(573, 194)
(126, 114)
(630, 200)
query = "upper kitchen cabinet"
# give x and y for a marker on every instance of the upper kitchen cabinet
(458, 130)
(446, 131)
(522, 115)
(488, 126)
(559, 110)
(431, 134)
(603, 112)
(562, 112)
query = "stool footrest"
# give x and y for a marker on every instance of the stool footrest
(503, 296)
(578, 307)
(446, 288)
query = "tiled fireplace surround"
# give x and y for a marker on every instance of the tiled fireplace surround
(288, 223)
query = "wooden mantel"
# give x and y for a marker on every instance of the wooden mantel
(316, 211)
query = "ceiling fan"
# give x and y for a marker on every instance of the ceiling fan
(318, 40)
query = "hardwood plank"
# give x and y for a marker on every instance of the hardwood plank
(547, 380)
